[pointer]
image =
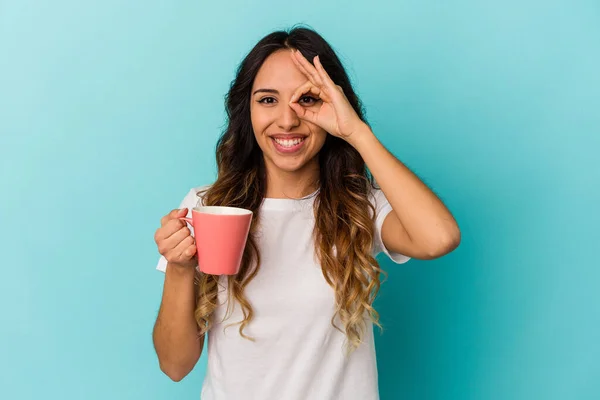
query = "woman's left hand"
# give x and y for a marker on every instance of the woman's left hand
(335, 115)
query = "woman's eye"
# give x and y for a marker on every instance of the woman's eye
(304, 100)
(308, 100)
(267, 100)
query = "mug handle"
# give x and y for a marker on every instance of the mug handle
(186, 219)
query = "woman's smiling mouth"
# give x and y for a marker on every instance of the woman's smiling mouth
(288, 143)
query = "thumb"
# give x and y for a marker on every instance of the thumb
(298, 109)
(303, 113)
(178, 212)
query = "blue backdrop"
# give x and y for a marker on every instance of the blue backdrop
(109, 112)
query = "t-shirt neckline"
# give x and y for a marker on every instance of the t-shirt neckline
(288, 203)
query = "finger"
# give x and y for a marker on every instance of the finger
(299, 65)
(168, 217)
(298, 109)
(306, 88)
(170, 226)
(191, 251)
(183, 251)
(175, 226)
(177, 250)
(176, 213)
(324, 75)
(169, 237)
(304, 113)
(309, 69)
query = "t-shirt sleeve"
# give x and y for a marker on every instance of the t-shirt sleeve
(382, 209)
(189, 201)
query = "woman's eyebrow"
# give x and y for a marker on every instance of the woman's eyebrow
(273, 91)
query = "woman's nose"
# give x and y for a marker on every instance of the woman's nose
(288, 118)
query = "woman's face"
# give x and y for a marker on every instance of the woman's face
(288, 143)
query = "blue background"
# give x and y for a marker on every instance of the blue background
(109, 113)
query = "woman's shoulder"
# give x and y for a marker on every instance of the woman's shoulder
(200, 190)
(377, 198)
(194, 196)
(374, 193)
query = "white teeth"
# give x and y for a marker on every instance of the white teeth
(288, 143)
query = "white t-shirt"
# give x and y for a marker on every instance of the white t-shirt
(297, 353)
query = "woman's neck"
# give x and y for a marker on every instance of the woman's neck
(292, 185)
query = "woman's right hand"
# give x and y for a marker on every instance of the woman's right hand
(175, 241)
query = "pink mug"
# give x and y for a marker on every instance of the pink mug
(221, 234)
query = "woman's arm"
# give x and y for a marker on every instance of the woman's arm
(175, 332)
(420, 226)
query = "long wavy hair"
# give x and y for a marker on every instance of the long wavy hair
(344, 228)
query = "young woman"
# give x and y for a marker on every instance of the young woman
(295, 152)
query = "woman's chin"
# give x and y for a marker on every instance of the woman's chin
(289, 164)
